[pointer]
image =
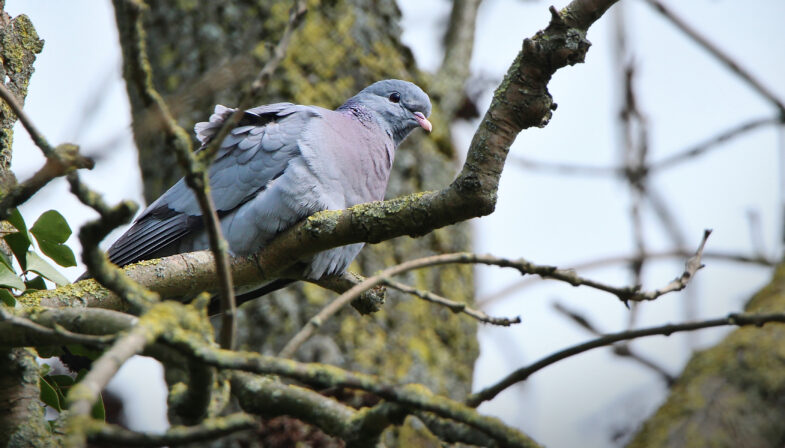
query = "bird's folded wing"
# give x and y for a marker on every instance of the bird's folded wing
(256, 152)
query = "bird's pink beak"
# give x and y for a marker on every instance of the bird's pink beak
(424, 123)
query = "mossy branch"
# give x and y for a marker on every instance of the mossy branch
(413, 396)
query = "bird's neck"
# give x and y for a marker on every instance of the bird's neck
(367, 117)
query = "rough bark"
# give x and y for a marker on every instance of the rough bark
(202, 54)
(19, 43)
(21, 412)
(733, 394)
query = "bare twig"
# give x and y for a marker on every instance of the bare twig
(711, 143)
(455, 307)
(621, 349)
(209, 429)
(566, 169)
(59, 161)
(35, 135)
(627, 259)
(714, 50)
(522, 374)
(699, 149)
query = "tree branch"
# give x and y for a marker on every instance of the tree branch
(719, 54)
(411, 395)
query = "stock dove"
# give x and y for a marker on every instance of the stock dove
(282, 163)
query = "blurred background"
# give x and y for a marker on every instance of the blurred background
(647, 93)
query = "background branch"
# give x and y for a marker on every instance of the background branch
(524, 373)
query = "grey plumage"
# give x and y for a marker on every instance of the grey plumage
(282, 163)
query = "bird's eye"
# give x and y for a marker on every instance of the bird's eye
(395, 97)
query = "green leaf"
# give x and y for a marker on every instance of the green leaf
(16, 220)
(81, 350)
(48, 394)
(61, 380)
(36, 283)
(19, 242)
(51, 230)
(51, 226)
(5, 260)
(7, 298)
(99, 412)
(38, 265)
(9, 278)
(82, 372)
(59, 253)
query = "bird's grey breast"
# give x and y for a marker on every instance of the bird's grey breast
(350, 159)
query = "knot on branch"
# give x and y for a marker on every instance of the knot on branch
(68, 159)
(556, 47)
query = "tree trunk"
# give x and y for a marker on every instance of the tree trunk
(204, 53)
(733, 394)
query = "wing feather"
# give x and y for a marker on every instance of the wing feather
(252, 155)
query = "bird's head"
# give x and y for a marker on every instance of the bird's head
(400, 106)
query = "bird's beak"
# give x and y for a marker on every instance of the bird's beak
(424, 123)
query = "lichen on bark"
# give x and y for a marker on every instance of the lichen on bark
(732, 394)
(19, 43)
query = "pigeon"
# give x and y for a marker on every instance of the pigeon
(282, 163)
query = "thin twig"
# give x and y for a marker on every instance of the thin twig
(625, 259)
(621, 349)
(59, 161)
(455, 307)
(522, 374)
(53, 168)
(718, 53)
(684, 155)
(711, 143)
(35, 135)
(565, 168)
